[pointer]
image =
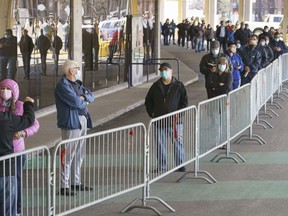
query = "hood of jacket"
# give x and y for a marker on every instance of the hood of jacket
(13, 86)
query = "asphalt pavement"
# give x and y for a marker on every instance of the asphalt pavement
(258, 187)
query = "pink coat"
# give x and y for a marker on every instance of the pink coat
(18, 144)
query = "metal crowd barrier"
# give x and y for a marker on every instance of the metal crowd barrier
(114, 164)
(124, 159)
(31, 187)
(170, 145)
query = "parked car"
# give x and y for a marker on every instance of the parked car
(108, 27)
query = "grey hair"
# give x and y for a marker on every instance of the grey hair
(68, 65)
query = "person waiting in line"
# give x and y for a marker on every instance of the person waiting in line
(73, 119)
(264, 52)
(220, 81)
(209, 34)
(278, 46)
(265, 32)
(43, 44)
(241, 35)
(9, 103)
(26, 48)
(251, 58)
(11, 124)
(208, 64)
(8, 55)
(269, 49)
(166, 95)
(237, 64)
(57, 46)
(222, 35)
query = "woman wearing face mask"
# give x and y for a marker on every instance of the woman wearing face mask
(208, 64)
(221, 80)
(9, 94)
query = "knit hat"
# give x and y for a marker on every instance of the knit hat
(215, 44)
(165, 64)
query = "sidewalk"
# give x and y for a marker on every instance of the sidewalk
(113, 102)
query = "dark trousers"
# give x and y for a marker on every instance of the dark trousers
(56, 61)
(26, 62)
(223, 44)
(43, 63)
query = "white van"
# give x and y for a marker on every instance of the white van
(108, 27)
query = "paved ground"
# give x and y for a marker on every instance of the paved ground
(257, 187)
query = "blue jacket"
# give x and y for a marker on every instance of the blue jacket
(68, 103)
(236, 61)
(280, 44)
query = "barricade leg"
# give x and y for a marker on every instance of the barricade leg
(227, 155)
(250, 136)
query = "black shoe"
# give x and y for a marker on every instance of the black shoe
(181, 169)
(81, 188)
(67, 192)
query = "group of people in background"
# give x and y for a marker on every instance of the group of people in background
(235, 58)
(8, 52)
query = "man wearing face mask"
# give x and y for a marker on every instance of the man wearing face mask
(73, 119)
(278, 46)
(208, 64)
(166, 95)
(263, 51)
(8, 55)
(251, 58)
(237, 64)
(241, 35)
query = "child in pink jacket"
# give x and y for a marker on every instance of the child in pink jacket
(9, 94)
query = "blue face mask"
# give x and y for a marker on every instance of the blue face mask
(165, 74)
(221, 67)
(215, 52)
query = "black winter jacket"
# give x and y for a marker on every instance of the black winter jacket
(157, 104)
(11, 123)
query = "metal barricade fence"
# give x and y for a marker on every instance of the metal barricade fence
(25, 184)
(212, 124)
(113, 164)
(171, 140)
(284, 66)
(239, 104)
(170, 145)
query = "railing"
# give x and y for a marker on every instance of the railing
(124, 159)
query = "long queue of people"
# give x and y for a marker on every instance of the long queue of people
(226, 70)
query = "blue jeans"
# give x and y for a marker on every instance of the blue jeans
(26, 62)
(161, 139)
(7, 183)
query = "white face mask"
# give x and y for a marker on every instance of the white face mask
(78, 75)
(6, 94)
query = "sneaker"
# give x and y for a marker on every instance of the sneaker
(181, 169)
(67, 192)
(81, 188)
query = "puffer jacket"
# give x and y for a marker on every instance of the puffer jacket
(18, 144)
(157, 104)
